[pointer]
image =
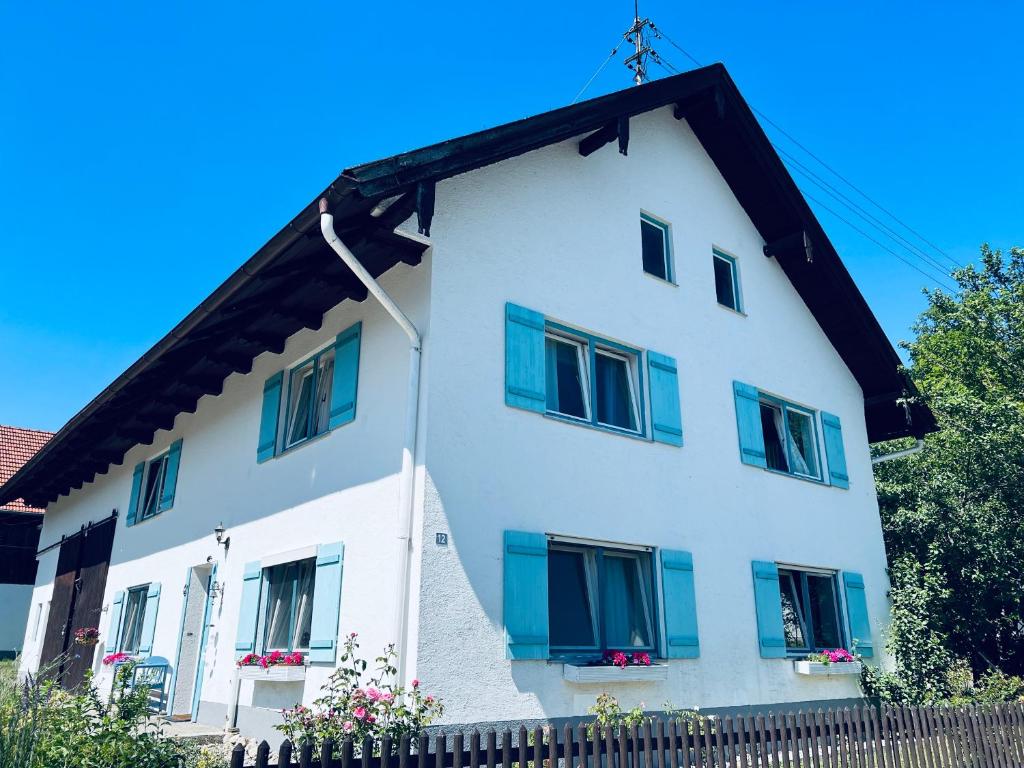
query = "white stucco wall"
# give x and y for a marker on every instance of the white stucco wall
(15, 600)
(558, 233)
(342, 486)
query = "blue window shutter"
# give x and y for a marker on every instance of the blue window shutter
(149, 619)
(171, 476)
(249, 610)
(269, 417)
(680, 607)
(133, 503)
(857, 614)
(116, 610)
(748, 422)
(834, 451)
(768, 602)
(346, 376)
(526, 595)
(524, 359)
(323, 632)
(666, 420)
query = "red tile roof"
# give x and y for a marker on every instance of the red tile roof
(18, 445)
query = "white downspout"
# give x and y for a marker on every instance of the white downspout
(917, 448)
(406, 484)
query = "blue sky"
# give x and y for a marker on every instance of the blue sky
(147, 149)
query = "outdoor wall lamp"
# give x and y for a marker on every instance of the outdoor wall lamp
(218, 532)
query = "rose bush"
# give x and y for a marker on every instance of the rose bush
(357, 709)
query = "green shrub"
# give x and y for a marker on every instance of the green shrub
(44, 726)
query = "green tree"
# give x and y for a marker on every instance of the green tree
(953, 515)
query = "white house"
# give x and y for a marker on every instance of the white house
(646, 389)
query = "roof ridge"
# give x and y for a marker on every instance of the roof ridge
(28, 429)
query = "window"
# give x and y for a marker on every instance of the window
(309, 398)
(727, 282)
(156, 475)
(790, 438)
(131, 626)
(599, 599)
(568, 391)
(810, 610)
(591, 380)
(655, 247)
(289, 605)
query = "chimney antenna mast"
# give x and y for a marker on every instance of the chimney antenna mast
(637, 35)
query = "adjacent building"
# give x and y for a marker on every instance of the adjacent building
(19, 537)
(625, 403)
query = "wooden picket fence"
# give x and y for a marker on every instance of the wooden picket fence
(858, 737)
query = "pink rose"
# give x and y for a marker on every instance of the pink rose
(359, 713)
(347, 726)
(415, 683)
(373, 694)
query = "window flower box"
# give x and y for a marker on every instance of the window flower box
(279, 673)
(582, 673)
(835, 669)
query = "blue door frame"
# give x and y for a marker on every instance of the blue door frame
(201, 656)
(200, 662)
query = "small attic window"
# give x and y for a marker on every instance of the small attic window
(656, 248)
(727, 281)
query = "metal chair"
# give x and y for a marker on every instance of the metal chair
(151, 673)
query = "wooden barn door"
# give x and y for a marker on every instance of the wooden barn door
(61, 603)
(77, 602)
(88, 608)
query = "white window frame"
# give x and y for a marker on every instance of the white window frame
(649, 591)
(666, 241)
(833, 576)
(162, 457)
(286, 415)
(734, 270)
(631, 374)
(263, 620)
(584, 368)
(142, 589)
(784, 405)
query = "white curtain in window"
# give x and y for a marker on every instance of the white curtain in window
(278, 613)
(324, 384)
(304, 607)
(625, 613)
(131, 616)
(799, 464)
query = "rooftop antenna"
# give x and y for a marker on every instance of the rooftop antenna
(637, 35)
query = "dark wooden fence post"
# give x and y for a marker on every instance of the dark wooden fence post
(238, 756)
(284, 754)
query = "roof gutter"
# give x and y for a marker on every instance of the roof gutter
(916, 448)
(406, 485)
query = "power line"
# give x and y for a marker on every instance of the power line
(937, 281)
(855, 188)
(597, 72)
(881, 226)
(660, 34)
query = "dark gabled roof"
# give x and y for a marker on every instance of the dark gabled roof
(293, 279)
